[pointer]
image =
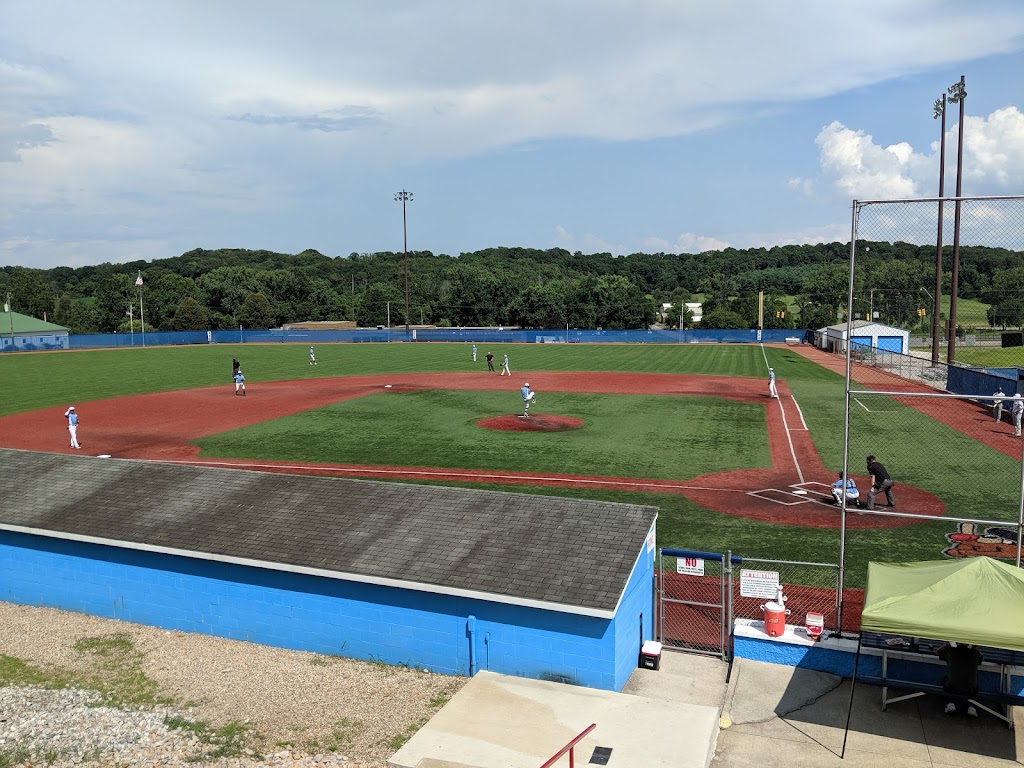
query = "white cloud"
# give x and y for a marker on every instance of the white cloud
(179, 114)
(861, 169)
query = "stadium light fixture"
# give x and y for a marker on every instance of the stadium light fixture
(404, 198)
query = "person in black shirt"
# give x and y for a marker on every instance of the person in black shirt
(880, 481)
(962, 662)
(235, 365)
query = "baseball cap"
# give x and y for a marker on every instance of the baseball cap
(526, 384)
(71, 407)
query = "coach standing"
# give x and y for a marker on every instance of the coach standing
(72, 418)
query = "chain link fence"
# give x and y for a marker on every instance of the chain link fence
(927, 412)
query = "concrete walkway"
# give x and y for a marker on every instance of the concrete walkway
(772, 716)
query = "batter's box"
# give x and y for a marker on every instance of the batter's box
(779, 496)
(812, 485)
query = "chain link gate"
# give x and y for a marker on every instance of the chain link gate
(695, 601)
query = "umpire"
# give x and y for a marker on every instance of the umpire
(880, 481)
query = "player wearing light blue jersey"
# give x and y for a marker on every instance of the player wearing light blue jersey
(528, 397)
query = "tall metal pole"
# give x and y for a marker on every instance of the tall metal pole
(957, 94)
(142, 312)
(940, 111)
(405, 197)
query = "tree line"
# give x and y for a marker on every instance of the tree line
(804, 286)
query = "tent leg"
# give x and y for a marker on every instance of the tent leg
(853, 687)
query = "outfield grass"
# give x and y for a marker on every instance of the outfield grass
(39, 380)
(669, 438)
(675, 438)
(991, 357)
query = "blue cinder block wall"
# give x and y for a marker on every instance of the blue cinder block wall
(634, 620)
(442, 633)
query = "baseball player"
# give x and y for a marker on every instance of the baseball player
(1016, 411)
(474, 353)
(772, 392)
(235, 365)
(312, 356)
(504, 367)
(239, 384)
(72, 418)
(997, 405)
(528, 397)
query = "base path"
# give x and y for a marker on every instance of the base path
(159, 427)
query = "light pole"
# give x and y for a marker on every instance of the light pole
(957, 94)
(142, 312)
(940, 112)
(405, 197)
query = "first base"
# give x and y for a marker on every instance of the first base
(387, 386)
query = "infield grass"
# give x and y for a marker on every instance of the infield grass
(669, 438)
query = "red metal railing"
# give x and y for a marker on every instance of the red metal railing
(569, 748)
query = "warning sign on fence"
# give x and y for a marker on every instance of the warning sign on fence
(759, 583)
(691, 566)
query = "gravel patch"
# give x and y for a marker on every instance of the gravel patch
(299, 708)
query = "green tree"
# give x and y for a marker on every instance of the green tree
(190, 315)
(31, 293)
(372, 308)
(112, 297)
(724, 319)
(256, 312)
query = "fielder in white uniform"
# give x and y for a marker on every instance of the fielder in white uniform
(72, 418)
(312, 357)
(474, 353)
(528, 397)
(504, 367)
(772, 392)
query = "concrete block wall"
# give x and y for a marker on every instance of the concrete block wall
(634, 620)
(316, 614)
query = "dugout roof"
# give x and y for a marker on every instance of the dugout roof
(559, 554)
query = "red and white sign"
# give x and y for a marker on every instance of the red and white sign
(691, 566)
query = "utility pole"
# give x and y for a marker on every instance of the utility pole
(405, 197)
(957, 94)
(940, 111)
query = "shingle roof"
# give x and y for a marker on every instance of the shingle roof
(560, 554)
(27, 324)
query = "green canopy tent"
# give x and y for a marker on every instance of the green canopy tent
(976, 600)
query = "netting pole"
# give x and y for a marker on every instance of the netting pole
(846, 413)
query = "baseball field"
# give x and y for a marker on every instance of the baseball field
(687, 428)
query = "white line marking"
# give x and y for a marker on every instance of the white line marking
(799, 410)
(858, 402)
(789, 437)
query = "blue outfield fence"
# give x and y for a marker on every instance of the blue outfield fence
(384, 335)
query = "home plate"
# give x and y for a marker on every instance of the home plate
(799, 492)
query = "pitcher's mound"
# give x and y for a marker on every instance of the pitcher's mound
(540, 422)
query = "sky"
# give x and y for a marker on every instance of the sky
(141, 130)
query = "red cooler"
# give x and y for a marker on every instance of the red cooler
(774, 619)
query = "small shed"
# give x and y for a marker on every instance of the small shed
(865, 334)
(447, 579)
(23, 333)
